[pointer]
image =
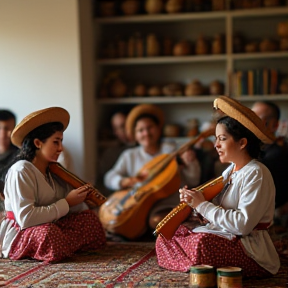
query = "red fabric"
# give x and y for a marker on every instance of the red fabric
(186, 249)
(10, 215)
(58, 240)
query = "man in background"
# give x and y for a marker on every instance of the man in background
(7, 149)
(275, 157)
(110, 154)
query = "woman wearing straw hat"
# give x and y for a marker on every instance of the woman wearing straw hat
(144, 126)
(46, 219)
(237, 219)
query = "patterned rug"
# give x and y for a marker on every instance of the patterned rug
(120, 264)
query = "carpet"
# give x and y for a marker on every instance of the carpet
(119, 265)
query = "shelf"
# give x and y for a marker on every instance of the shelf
(241, 13)
(185, 99)
(162, 60)
(160, 17)
(260, 55)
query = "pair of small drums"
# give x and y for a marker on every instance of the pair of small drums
(205, 276)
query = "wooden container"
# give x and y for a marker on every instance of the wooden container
(154, 6)
(130, 7)
(202, 276)
(228, 277)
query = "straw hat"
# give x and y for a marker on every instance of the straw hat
(139, 110)
(245, 116)
(36, 119)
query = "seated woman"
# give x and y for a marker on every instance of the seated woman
(46, 219)
(144, 125)
(237, 220)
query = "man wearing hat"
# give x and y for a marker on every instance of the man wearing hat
(237, 219)
(144, 126)
(46, 218)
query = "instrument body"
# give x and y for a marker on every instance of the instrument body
(93, 199)
(171, 222)
(125, 212)
(129, 218)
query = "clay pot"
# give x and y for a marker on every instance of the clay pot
(171, 130)
(154, 6)
(140, 90)
(118, 89)
(174, 6)
(194, 88)
(192, 127)
(216, 88)
(107, 8)
(152, 46)
(154, 91)
(182, 48)
(201, 46)
(282, 29)
(267, 45)
(251, 47)
(218, 45)
(283, 45)
(284, 87)
(173, 89)
(130, 7)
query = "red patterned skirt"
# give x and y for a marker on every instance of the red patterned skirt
(61, 239)
(187, 249)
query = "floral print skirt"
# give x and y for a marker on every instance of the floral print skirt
(61, 239)
(187, 249)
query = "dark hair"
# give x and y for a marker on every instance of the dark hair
(7, 115)
(238, 131)
(28, 149)
(274, 108)
(147, 115)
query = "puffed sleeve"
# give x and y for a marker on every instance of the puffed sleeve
(114, 176)
(21, 193)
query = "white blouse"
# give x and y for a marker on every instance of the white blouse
(33, 200)
(248, 201)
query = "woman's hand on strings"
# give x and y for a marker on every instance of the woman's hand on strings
(77, 196)
(192, 197)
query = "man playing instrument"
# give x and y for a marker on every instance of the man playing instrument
(144, 125)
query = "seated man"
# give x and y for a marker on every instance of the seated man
(275, 157)
(144, 125)
(7, 149)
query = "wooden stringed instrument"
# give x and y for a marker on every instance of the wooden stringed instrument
(126, 212)
(93, 198)
(180, 213)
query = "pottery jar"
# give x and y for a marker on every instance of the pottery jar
(130, 7)
(201, 46)
(216, 88)
(182, 48)
(154, 6)
(174, 6)
(194, 88)
(154, 91)
(152, 45)
(217, 44)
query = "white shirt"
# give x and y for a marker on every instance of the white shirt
(32, 200)
(132, 160)
(249, 200)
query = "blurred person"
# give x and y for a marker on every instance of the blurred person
(7, 150)
(109, 155)
(144, 125)
(275, 157)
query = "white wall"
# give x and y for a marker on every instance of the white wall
(40, 64)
